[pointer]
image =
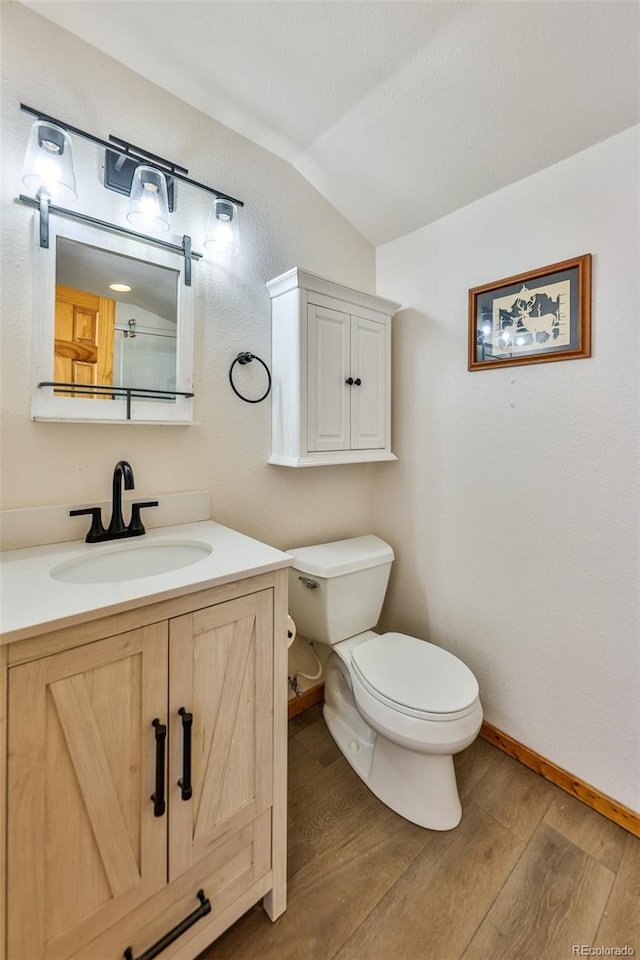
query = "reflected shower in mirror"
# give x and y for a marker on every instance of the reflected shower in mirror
(116, 320)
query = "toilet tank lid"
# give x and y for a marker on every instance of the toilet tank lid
(341, 556)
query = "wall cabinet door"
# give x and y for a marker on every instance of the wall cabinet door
(346, 381)
(84, 846)
(221, 672)
(328, 365)
(369, 395)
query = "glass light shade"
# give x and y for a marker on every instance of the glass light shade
(148, 202)
(223, 232)
(48, 164)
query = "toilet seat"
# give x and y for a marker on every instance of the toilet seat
(415, 678)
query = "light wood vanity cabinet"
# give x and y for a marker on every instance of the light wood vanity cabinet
(97, 860)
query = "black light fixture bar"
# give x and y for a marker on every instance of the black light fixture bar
(119, 171)
(165, 166)
(184, 250)
(143, 156)
(106, 390)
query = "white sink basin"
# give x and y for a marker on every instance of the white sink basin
(131, 561)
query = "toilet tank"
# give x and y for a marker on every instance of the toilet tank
(336, 590)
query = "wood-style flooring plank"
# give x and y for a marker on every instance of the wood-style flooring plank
(621, 921)
(472, 765)
(552, 901)
(319, 743)
(588, 829)
(333, 806)
(329, 897)
(305, 719)
(299, 850)
(433, 910)
(303, 768)
(514, 795)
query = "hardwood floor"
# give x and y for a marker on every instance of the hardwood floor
(529, 873)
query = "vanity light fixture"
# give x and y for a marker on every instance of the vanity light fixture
(148, 209)
(48, 169)
(223, 232)
(48, 164)
(148, 180)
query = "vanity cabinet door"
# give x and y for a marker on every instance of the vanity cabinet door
(221, 672)
(84, 845)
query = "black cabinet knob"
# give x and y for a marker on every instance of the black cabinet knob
(357, 381)
(349, 380)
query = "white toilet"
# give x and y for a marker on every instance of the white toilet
(397, 707)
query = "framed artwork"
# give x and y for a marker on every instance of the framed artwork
(533, 317)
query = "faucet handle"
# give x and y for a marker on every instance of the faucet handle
(96, 530)
(136, 527)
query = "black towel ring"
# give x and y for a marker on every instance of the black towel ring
(242, 359)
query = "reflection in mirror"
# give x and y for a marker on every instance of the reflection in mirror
(111, 315)
(116, 320)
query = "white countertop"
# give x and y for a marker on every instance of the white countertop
(33, 602)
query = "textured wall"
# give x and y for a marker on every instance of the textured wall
(514, 506)
(286, 222)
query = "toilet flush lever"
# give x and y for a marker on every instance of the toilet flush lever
(309, 583)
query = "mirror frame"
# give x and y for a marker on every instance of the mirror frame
(47, 406)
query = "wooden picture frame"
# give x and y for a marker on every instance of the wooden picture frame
(533, 317)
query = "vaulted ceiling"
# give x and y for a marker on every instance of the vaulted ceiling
(398, 112)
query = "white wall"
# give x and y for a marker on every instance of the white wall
(286, 222)
(514, 506)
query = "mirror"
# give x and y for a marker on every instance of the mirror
(115, 320)
(112, 312)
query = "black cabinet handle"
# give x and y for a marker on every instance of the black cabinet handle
(349, 380)
(185, 782)
(178, 930)
(357, 381)
(159, 806)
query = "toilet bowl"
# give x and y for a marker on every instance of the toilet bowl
(398, 707)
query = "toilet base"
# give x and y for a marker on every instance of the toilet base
(421, 787)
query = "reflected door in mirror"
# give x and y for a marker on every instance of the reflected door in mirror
(114, 317)
(84, 326)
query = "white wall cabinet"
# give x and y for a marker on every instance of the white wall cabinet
(331, 356)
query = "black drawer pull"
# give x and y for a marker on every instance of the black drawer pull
(185, 782)
(159, 806)
(178, 930)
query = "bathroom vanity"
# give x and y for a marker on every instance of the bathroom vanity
(143, 726)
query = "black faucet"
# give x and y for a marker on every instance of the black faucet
(122, 471)
(117, 529)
